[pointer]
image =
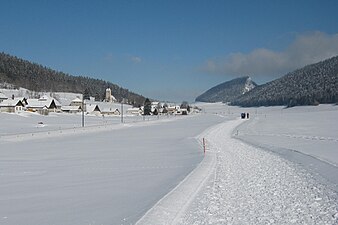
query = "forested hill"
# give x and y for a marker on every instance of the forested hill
(311, 85)
(227, 91)
(35, 77)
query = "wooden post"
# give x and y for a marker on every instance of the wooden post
(204, 145)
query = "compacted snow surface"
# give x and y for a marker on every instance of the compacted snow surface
(240, 184)
(155, 172)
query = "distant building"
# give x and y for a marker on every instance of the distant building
(93, 109)
(11, 106)
(76, 102)
(110, 111)
(71, 109)
(134, 111)
(40, 105)
(109, 96)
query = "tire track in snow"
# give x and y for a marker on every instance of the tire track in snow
(240, 184)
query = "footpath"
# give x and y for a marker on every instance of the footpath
(240, 184)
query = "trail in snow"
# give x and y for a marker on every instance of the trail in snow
(240, 184)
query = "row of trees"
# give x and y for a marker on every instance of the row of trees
(35, 77)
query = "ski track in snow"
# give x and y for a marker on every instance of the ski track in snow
(240, 184)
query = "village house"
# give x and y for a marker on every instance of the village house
(93, 109)
(11, 106)
(134, 111)
(76, 102)
(42, 104)
(22, 99)
(110, 111)
(74, 106)
(172, 109)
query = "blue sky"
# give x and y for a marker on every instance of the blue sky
(170, 50)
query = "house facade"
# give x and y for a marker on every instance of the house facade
(11, 106)
(43, 103)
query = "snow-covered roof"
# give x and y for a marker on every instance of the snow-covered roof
(3, 96)
(10, 102)
(92, 107)
(70, 108)
(35, 103)
(77, 100)
(109, 110)
(40, 103)
(133, 109)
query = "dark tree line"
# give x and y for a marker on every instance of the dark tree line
(35, 77)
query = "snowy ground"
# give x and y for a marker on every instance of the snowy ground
(26, 122)
(113, 173)
(237, 183)
(306, 129)
(101, 175)
(306, 135)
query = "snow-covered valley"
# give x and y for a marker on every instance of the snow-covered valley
(155, 172)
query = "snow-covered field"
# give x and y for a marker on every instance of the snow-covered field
(103, 175)
(26, 122)
(307, 135)
(155, 172)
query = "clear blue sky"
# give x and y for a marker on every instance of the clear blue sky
(170, 50)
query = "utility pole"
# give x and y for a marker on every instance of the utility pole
(82, 110)
(122, 110)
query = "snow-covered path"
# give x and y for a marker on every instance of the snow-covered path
(240, 184)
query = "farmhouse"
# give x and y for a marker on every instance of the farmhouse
(134, 111)
(51, 104)
(172, 109)
(93, 109)
(11, 106)
(110, 111)
(76, 102)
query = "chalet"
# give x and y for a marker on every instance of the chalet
(134, 111)
(76, 102)
(172, 109)
(110, 111)
(23, 100)
(93, 109)
(36, 105)
(2, 97)
(11, 106)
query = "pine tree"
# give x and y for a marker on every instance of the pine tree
(147, 107)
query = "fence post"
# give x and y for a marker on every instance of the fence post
(204, 145)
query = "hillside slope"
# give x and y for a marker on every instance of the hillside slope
(35, 77)
(227, 91)
(313, 84)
